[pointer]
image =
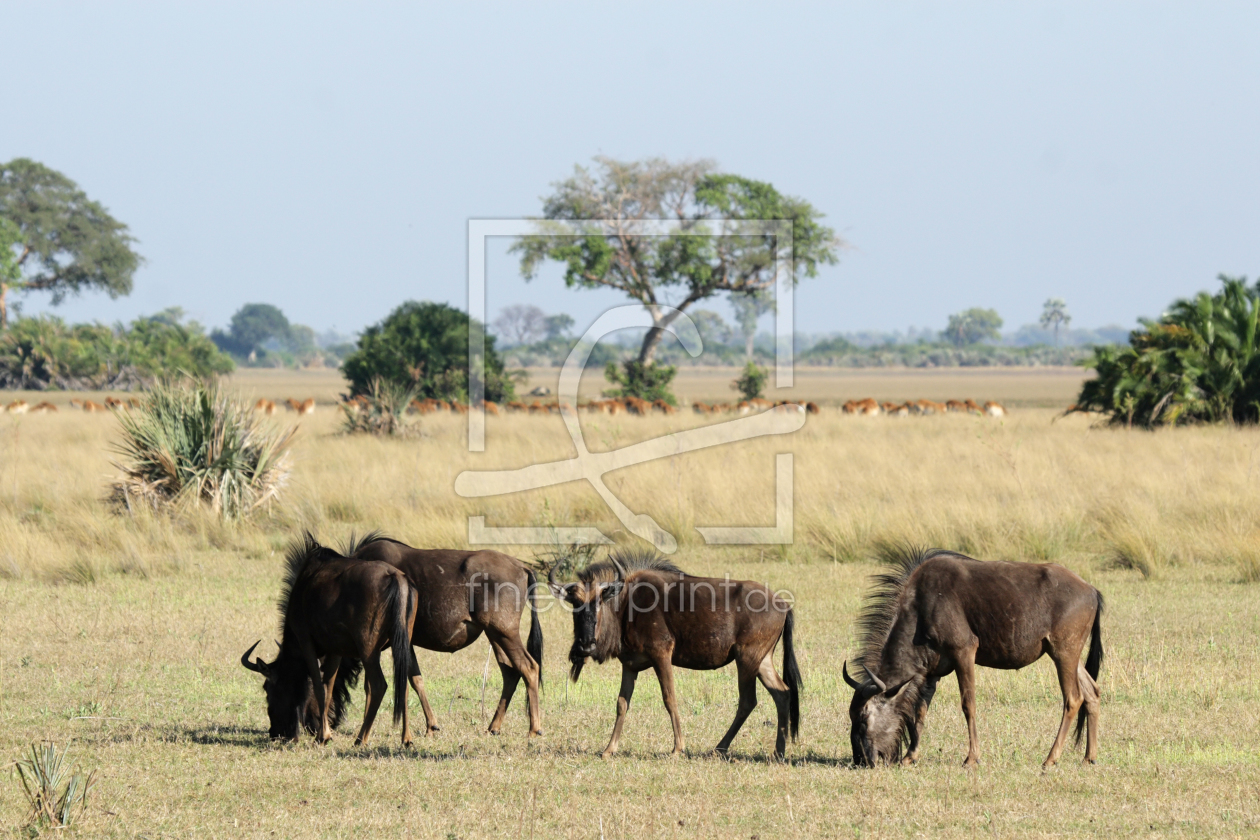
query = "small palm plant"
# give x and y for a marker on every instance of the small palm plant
(381, 411)
(190, 443)
(57, 793)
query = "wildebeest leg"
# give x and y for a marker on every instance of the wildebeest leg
(920, 719)
(329, 675)
(665, 675)
(966, 664)
(779, 691)
(510, 679)
(747, 702)
(374, 687)
(430, 720)
(1089, 690)
(1066, 665)
(628, 676)
(524, 664)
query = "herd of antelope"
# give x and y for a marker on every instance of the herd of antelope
(90, 406)
(931, 613)
(631, 406)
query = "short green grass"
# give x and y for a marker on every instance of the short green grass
(141, 678)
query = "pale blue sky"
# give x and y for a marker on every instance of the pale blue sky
(325, 158)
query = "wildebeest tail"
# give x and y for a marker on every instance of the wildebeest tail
(1093, 662)
(402, 600)
(347, 678)
(534, 644)
(792, 676)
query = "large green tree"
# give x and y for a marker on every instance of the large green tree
(424, 346)
(65, 242)
(253, 325)
(613, 206)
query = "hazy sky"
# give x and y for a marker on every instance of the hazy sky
(326, 158)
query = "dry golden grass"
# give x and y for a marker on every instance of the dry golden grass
(122, 636)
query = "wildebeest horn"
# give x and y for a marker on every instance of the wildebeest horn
(874, 679)
(853, 684)
(256, 664)
(551, 574)
(621, 570)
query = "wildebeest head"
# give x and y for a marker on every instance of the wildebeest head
(588, 597)
(878, 716)
(286, 693)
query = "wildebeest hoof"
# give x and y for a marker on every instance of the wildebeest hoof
(537, 732)
(605, 755)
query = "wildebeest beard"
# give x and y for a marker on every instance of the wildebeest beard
(606, 632)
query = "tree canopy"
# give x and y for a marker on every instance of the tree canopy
(973, 326)
(65, 242)
(1197, 363)
(614, 207)
(252, 326)
(424, 346)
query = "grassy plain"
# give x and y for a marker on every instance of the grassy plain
(122, 635)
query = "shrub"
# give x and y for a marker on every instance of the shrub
(752, 382)
(382, 411)
(55, 793)
(425, 346)
(648, 381)
(1198, 363)
(190, 443)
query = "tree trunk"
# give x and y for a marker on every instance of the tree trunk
(748, 345)
(4, 306)
(647, 353)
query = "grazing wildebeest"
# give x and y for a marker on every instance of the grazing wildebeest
(460, 595)
(333, 607)
(641, 609)
(938, 611)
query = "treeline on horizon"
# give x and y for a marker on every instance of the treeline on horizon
(1196, 363)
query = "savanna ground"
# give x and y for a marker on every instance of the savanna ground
(122, 635)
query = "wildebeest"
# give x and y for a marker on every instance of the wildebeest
(938, 611)
(460, 595)
(333, 607)
(641, 609)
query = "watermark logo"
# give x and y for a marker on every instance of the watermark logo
(592, 466)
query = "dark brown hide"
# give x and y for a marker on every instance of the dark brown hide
(938, 611)
(462, 594)
(333, 607)
(645, 612)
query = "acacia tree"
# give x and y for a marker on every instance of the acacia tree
(65, 242)
(613, 207)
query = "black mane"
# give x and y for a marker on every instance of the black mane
(626, 560)
(875, 620)
(354, 545)
(300, 556)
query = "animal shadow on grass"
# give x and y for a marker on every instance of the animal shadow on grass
(798, 758)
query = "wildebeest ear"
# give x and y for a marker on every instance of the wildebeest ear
(610, 590)
(560, 590)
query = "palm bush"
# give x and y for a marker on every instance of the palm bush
(189, 442)
(56, 792)
(381, 411)
(1197, 363)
